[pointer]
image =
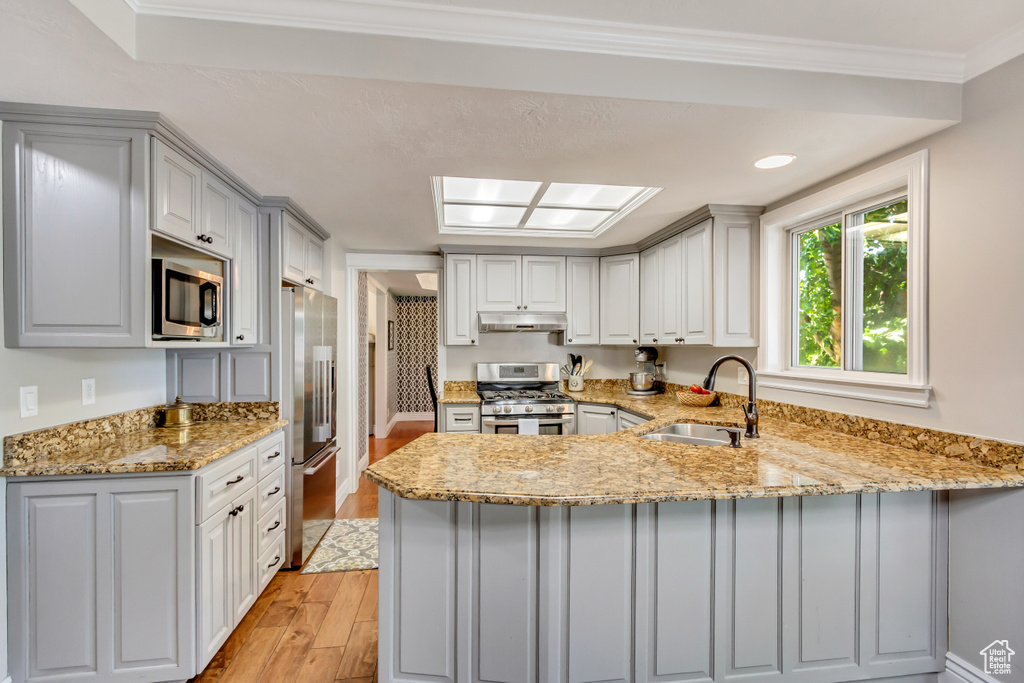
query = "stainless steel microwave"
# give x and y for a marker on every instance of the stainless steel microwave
(186, 301)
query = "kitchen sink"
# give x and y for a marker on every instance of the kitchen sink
(696, 434)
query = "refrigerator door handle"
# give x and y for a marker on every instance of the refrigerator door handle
(327, 456)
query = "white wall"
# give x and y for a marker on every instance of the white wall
(344, 461)
(610, 362)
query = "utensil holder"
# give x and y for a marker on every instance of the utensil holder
(574, 383)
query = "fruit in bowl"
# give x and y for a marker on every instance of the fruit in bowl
(698, 389)
(696, 396)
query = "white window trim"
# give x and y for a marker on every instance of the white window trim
(775, 369)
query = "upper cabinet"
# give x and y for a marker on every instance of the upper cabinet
(302, 259)
(245, 274)
(620, 299)
(507, 284)
(218, 206)
(583, 300)
(460, 320)
(75, 238)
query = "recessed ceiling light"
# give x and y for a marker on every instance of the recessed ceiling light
(525, 208)
(775, 161)
(428, 281)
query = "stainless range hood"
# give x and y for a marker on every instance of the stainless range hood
(523, 322)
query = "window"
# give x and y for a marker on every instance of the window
(843, 302)
(489, 206)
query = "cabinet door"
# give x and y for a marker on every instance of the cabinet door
(595, 419)
(293, 247)
(245, 278)
(697, 284)
(736, 277)
(176, 195)
(650, 295)
(583, 300)
(620, 299)
(244, 574)
(499, 284)
(213, 585)
(670, 310)
(460, 319)
(315, 262)
(627, 420)
(218, 204)
(544, 284)
(74, 212)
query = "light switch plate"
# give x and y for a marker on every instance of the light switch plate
(29, 401)
(742, 375)
(88, 391)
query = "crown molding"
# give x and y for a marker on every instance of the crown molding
(998, 50)
(406, 19)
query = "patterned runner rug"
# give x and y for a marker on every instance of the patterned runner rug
(349, 544)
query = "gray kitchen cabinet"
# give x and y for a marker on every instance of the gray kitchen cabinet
(74, 212)
(245, 274)
(460, 318)
(596, 419)
(459, 417)
(207, 376)
(177, 194)
(626, 419)
(544, 284)
(698, 285)
(218, 215)
(661, 293)
(818, 588)
(302, 254)
(100, 576)
(499, 283)
(139, 577)
(620, 299)
(583, 300)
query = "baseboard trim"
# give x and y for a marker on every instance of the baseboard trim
(960, 670)
(341, 492)
(364, 462)
(6, 680)
(390, 425)
(414, 417)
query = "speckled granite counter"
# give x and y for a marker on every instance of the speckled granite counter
(150, 450)
(459, 397)
(790, 459)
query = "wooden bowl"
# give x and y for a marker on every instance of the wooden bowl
(688, 398)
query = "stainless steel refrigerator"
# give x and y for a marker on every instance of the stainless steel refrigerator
(310, 359)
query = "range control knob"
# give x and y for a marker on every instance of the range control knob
(560, 409)
(508, 409)
(551, 409)
(529, 409)
(496, 409)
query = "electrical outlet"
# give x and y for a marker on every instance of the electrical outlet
(29, 401)
(742, 375)
(89, 391)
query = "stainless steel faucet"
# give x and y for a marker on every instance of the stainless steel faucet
(749, 410)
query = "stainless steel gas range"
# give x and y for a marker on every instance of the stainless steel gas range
(523, 398)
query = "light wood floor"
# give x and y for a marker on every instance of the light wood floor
(315, 627)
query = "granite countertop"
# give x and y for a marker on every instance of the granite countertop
(156, 449)
(789, 459)
(459, 397)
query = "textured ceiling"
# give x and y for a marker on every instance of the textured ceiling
(935, 25)
(358, 154)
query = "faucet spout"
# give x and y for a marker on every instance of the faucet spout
(750, 409)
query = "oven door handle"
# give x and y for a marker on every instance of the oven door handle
(496, 422)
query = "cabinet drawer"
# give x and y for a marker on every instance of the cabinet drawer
(462, 419)
(270, 562)
(269, 454)
(270, 526)
(224, 481)
(271, 492)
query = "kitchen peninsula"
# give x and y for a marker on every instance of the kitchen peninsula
(808, 552)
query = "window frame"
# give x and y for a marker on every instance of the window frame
(777, 357)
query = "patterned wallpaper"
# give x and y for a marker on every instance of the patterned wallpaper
(392, 362)
(416, 343)
(364, 367)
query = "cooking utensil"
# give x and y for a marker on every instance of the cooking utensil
(586, 368)
(576, 368)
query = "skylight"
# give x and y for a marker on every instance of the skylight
(490, 206)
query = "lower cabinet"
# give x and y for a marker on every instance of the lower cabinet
(459, 417)
(596, 419)
(139, 577)
(626, 419)
(821, 589)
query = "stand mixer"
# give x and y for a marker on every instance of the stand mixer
(643, 381)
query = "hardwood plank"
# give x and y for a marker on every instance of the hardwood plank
(342, 614)
(279, 614)
(253, 656)
(290, 653)
(295, 588)
(212, 675)
(324, 587)
(321, 665)
(355, 680)
(368, 606)
(360, 658)
(253, 617)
